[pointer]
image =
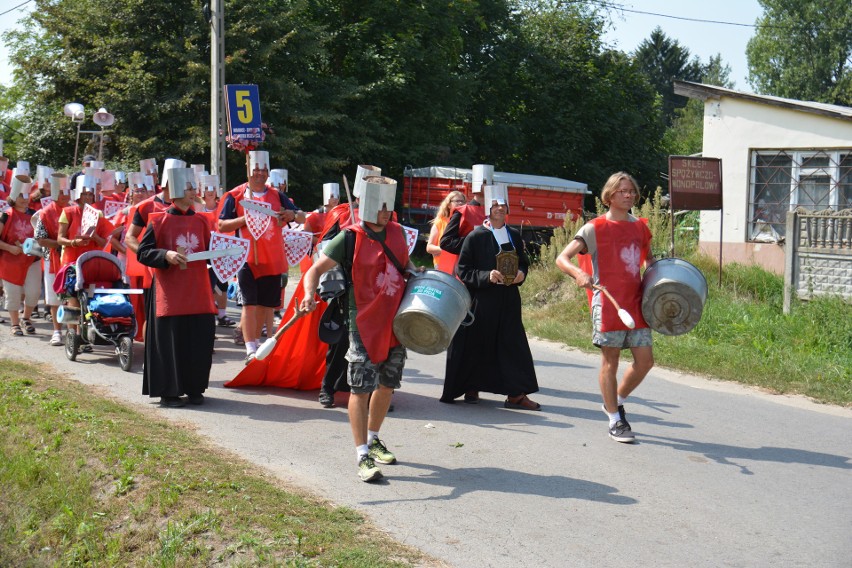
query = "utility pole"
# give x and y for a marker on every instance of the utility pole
(217, 90)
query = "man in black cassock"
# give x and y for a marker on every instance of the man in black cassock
(179, 340)
(492, 354)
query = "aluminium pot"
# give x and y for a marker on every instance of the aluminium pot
(673, 296)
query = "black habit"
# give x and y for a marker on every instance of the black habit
(492, 354)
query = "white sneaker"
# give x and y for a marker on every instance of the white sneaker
(56, 339)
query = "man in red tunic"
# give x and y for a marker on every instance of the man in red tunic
(179, 344)
(47, 233)
(376, 359)
(614, 248)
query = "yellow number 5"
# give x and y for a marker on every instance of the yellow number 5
(244, 112)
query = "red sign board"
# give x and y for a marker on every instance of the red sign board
(695, 183)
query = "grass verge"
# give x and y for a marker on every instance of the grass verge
(90, 482)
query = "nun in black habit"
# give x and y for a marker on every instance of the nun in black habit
(492, 354)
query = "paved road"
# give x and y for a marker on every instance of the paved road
(721, 475)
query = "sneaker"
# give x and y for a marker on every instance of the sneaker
(380, 453)
(57, 338)
(250, 357)
(326, 399)
(621, 432)
(367, 469)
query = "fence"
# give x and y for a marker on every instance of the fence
(819, 255)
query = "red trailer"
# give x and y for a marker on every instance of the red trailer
(537, 204)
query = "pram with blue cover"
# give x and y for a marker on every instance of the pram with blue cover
(105, 315)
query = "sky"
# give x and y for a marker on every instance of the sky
(630, 28)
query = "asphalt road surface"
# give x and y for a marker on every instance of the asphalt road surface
(720, 475)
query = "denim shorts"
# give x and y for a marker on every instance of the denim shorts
(364, 376)
(619, 339)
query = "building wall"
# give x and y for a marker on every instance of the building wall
(732, 128)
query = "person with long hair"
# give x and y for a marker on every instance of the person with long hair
(443, 260)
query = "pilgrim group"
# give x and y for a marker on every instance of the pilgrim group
(155, 224)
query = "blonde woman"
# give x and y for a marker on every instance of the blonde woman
(443, 260)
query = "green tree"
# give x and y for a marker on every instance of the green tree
(803, 50)
(663, 60)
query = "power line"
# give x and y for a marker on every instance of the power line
(15, 7)
(624, 9)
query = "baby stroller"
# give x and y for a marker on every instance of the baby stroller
(105, 316)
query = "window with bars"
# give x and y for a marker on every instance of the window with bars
(782, 180)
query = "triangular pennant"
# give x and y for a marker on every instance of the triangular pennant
(90, 221)
(258, 222)
(297, 244)
(410, 238)
(226, 267)
(113, 207)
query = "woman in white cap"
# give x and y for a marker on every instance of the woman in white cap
(21, 272)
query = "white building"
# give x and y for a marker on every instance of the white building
(777, 154)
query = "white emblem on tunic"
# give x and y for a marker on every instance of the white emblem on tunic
(189, 242)
(630, 257)
(389, 280)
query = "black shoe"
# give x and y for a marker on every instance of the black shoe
(195, 399)
(621, 413)
(326, 399)
(621, 432)
(172, 401)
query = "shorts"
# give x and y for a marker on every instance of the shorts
(619, 339)
(218, 286)
(364, 376)
(29, 292)
(264, 291)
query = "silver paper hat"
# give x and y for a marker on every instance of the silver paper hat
(498, 192)
(59, 185)
(483, 174)
(379, 192)
(22, 168)
(277, 177)
(42, 174)
(209, 183)
(171, 164)
(149, 182)
(330, 190)
(148, 166)
(363, 171)
(4, 164)
(99, 164)
(120, 177)
(136, 180)
(86, 183)
(258, 159)
(21, 185)
(92, 171)
(107, 180)
(179, 180)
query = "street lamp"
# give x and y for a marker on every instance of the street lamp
(77, 114)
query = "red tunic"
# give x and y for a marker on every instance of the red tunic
(378, 287)
(266, 255)
(74, 215)
(472, 216)
(50, 221)
(17, 229)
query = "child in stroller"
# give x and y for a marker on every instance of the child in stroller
(98, 311)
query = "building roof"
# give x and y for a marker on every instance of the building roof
(518, 180)
(704, 92)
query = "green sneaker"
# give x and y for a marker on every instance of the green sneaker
(367, 469)
(380, 453)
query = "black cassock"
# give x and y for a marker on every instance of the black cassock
(178, 349)
(492, 354)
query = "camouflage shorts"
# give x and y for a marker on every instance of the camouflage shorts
(620, 339)
(364, 376)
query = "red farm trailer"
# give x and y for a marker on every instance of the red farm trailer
(537, 204)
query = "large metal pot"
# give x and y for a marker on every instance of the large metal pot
(673, 296)
(434, 305)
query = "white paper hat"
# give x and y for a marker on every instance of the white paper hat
(277, 177)
(379, 191)
(59, 185)
(120, 177)
(209, 183)
(42, 174)
(22, 168)
(97, 164)
(330, 190)
(258, 159)
(21, 185)
(498, 192)
(171, 164)
(87, 183)
(4, 164)
(483, 174)
(148, 166)
(362, 172)
(136, 179)
(107, 180)
(149, 182)
(179, 178)
(90, 171)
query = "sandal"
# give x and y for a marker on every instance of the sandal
(28, 325)
(225, 321)
(522, 403)
(238, 336)
(16, 330)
